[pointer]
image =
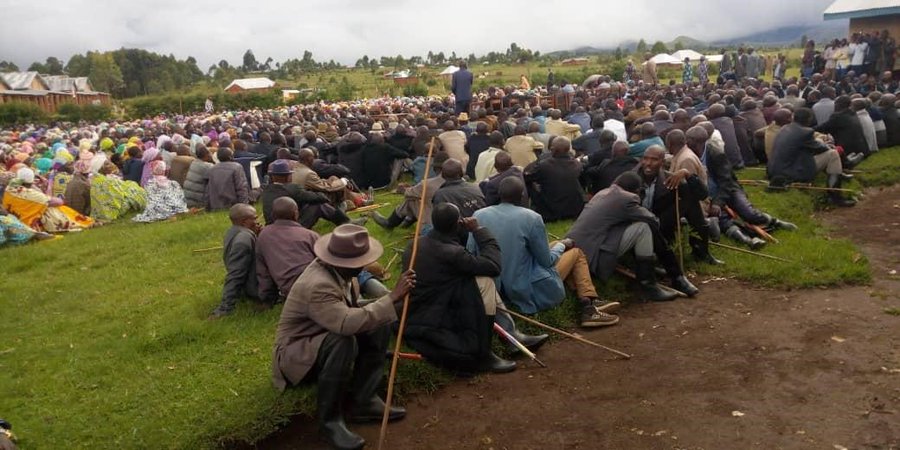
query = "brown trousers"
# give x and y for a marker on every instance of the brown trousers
(573, 268)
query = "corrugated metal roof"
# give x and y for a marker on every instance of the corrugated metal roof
(252, 83)
(21, 80)
(66, 84)
(854, 9)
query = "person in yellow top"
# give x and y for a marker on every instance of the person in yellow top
(37, 210)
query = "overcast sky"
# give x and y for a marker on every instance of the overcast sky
(344, 30)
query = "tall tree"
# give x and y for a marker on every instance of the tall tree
(78, 66)
(250, 63)
(105, 74)
(641, 46)
(8, 66)
(618, 53)
(659, 47)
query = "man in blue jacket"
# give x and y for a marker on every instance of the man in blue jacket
(461, 86)
(534, 275)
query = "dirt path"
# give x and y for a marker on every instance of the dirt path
(737, 367)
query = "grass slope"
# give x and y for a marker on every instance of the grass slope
(105, 342)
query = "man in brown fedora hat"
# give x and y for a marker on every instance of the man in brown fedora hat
(323, 333)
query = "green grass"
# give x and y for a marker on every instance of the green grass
(105, 342)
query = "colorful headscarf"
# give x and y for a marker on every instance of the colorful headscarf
(43, 165)
(106, 144)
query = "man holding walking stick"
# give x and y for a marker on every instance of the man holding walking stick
(325, 337)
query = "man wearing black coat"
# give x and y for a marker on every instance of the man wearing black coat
(377, 162)
(475, 144)
(465, 196)
(891, 119)
(490, 186)
(453, 308)
(590, 143)
(844, 127)
(602, 175)
(798, 156)
(554, 187)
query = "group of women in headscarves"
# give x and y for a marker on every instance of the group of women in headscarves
(54, 189)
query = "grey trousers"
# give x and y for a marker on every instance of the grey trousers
(639, 237)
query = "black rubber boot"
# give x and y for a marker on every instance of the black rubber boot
(683, 285)
(835, 197)
(530, 342)
(734, 232)
(646, 277)
(367, 376)
(700, 250)
(388, 223)
(331, 420)
(490, 362)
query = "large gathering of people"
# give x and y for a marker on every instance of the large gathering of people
(626, 161)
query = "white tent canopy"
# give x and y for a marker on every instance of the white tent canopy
(714, 58)
(450, 70)
(664, 58)
(689, 54)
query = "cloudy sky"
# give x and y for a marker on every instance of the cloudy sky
(344, 30)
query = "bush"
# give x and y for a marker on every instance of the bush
(71, 112)
(415, 90)
(148, 106)
(17, 113)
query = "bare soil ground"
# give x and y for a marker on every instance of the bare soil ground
(735, 368)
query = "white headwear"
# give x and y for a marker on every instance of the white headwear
(26, 175)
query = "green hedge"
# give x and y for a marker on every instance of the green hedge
(71, 112)
(17, 113)
(191, 103)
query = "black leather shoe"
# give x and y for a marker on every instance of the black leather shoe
(373, 411)
(495, 364)
(681, 283)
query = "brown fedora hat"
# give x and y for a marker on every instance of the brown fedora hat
(348, 246)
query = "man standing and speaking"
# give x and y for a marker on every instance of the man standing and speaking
(461, 86)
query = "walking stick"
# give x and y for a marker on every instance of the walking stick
(750, 252)
(563, 333)
(412, 264)
(206, 249)
(509, 338)
(678, 230)
(800, 186)
(756, 228)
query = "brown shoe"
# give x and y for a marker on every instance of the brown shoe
(591, 318)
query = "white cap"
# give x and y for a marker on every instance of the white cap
(26, 175)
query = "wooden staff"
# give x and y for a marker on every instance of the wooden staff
(206, 249)
(509, 338)
(412, 264)
(801, 186)
(631, 275)
(845, 170)
(367, 208)
(387, 268)
(678, 230)
(750, 252)
(563, 333)
(756, 228)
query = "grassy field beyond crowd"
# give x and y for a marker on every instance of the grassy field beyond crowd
(105, 342)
